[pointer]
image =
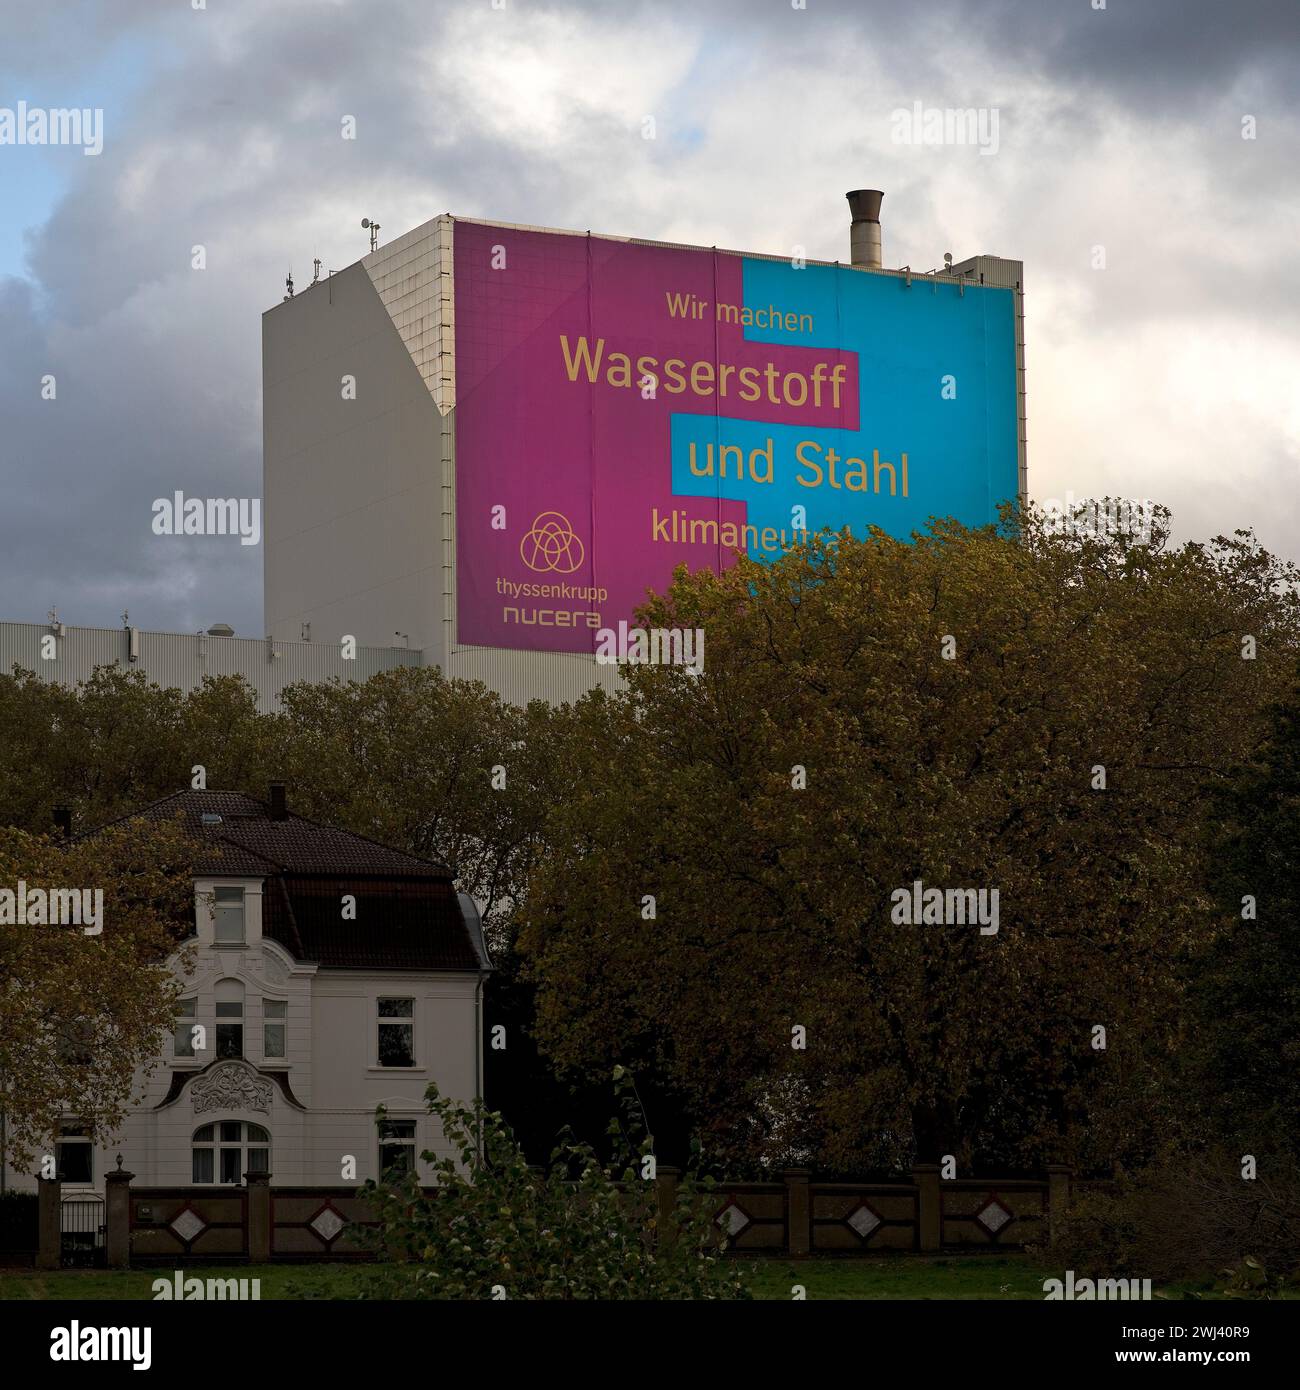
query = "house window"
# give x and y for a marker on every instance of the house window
(225, 1151)
(396, 1032)
(228, 916)
(183, 1032)
(396, 1147)
(76, 1154)
(76, 1044)
(273, 1025)
(230, 1019)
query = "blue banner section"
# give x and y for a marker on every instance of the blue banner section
(937, 418)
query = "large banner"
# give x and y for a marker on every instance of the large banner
(621, 409)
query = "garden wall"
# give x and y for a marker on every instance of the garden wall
(798, 1215)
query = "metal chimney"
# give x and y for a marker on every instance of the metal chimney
(864, 231)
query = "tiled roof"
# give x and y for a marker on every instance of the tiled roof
(408, 915)
(247, 835)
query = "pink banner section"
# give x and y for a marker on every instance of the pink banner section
(572, 356)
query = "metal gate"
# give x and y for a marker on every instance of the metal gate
(81, 1234)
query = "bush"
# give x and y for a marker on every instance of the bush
(19, 1231)
(579, 1229)
(1195, 1217)
(1098, 1234)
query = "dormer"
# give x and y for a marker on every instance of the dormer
(228, 912)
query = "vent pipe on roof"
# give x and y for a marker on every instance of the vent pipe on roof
(864, 231)
(279, 807)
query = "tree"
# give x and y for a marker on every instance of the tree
(442, 769)
(1002, 709)
(80, 1013)
(116, 742)
(29, 732)
(1244, 1040)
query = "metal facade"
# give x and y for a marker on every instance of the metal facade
(182, 660)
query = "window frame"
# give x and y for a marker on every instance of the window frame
(231, 1022)
(277, 1020)
(407, 1143)
(75, 1044)
(72, 1135)
(406, 1020)
(185, 1024)
(219, 915)
(215, 1144)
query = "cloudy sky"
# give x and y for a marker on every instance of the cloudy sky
(1173, 373)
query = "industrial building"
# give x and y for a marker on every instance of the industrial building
(370, 459)
(67, 655)
(479, 419)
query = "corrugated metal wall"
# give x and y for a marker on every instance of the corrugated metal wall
(182, 659)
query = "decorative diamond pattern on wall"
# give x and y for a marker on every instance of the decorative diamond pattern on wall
(993, 1216)
(732, 1219)
(327, 1223)
(187, 1224)
(863, 1220)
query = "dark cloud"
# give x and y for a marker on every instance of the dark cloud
(1150, 53)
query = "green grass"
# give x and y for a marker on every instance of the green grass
(901, 1277)
(871, 1277)
(279, 1281)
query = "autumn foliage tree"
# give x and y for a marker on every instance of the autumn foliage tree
(79, 1013)
(1045, 716)
(441, 768)
(1243, 1057)
(1003, 709)
(115, 742)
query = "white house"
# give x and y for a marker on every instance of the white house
(332, 975)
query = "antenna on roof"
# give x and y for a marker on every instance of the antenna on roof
(374, 232)
(289, 285)
(316, 276)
